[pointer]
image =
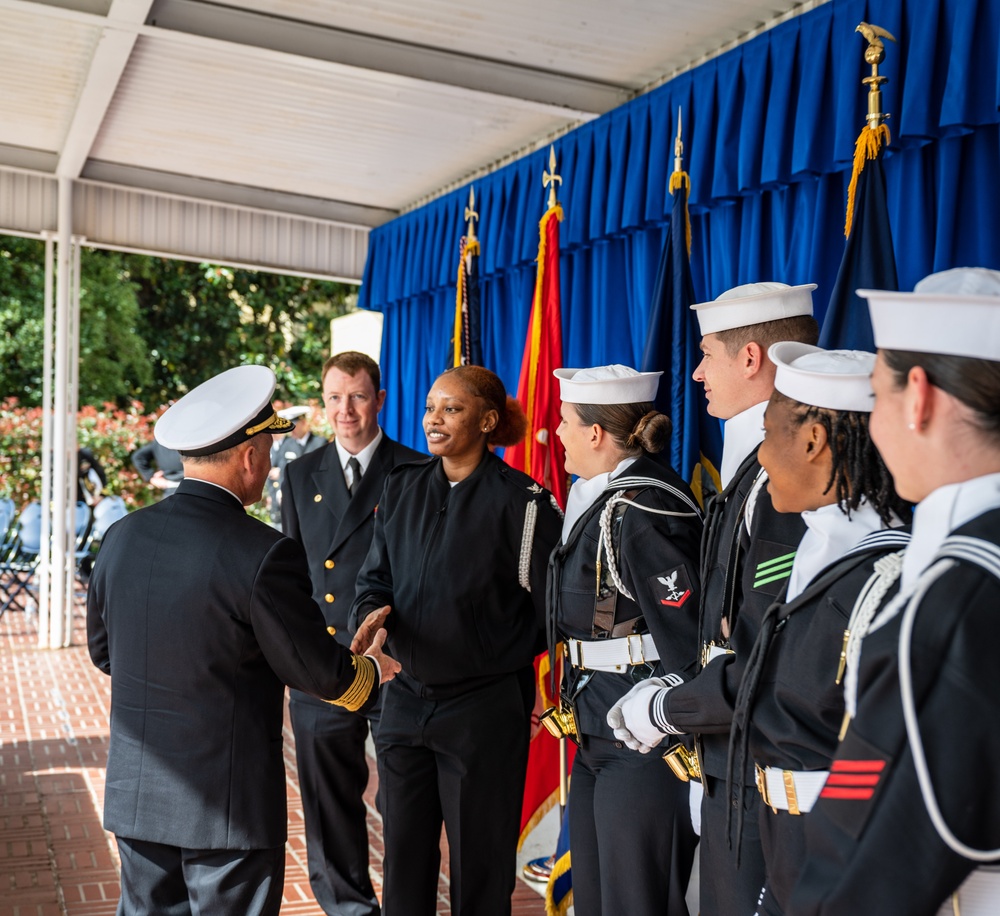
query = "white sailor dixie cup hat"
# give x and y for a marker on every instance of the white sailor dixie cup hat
(753, 303)
(953, 313)
(293, 413)
(607, 385)
(834, 379)
(228, 409)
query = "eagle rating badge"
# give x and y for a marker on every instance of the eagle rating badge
(671, 588)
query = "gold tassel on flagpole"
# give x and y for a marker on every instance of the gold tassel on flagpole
(870, 143)
(874, 136)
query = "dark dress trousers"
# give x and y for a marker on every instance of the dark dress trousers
(201, 615)
(335, 529)
(871, 846)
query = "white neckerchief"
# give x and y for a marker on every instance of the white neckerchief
(829, 535)
(740, 436)
(940, 513)
(584, 493)
(364, 457)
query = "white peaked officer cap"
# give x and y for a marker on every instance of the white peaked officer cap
(954, 313)
(753, 303)
(228, 409)
(834, 379)
(607, 385)
(293, 413)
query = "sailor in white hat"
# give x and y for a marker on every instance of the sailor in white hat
(915, 815)
(744, 536)
(820, 462)
(299, 441)
(635, 521)
(201, 615)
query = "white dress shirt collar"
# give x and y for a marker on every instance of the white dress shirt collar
(741, 435)
(364, 456)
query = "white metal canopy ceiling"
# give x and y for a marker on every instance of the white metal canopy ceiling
(276, 133)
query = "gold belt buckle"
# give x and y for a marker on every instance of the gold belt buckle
(761, 778)
(642, 653)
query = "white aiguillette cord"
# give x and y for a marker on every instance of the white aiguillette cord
(913, 727)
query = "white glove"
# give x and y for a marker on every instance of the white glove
(629, 718)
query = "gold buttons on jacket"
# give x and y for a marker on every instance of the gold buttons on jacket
(329, 564)
(332, 631)
(318, 498)
(328, 599)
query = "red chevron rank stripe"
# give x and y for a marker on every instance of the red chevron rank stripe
(853, 779)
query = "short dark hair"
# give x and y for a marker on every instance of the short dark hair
(974, 382)
(801, 328)
(351, 362)
(483, 383)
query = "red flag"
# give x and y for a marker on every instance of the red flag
(541, 453)
(541, 456)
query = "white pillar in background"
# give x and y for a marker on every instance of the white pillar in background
(57, 635)
(44, 574)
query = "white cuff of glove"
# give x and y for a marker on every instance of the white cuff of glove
(630, 720)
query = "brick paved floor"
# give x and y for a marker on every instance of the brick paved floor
(55, 858)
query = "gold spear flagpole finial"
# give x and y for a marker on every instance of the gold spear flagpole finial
(874, 55)
(678, 145)
(550, 178)
(471, 215)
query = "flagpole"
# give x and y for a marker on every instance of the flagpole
(875, 134)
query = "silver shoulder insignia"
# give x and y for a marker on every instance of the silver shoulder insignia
(534, 488)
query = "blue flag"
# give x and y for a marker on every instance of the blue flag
(559, 891)
(869, 262)
(672, 339)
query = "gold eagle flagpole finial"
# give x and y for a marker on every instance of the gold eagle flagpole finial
(471, 215)
(874, 55)
(550, 179)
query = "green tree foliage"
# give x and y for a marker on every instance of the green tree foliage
(113, 356)
(201, 319)
(153, 328)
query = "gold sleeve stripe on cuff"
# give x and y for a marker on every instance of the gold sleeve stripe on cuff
(361, 687)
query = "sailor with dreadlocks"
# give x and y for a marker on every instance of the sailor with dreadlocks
(912, 823)
(623, 598)
(746, 557)
(820, 461)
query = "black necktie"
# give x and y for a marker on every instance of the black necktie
(355, 467)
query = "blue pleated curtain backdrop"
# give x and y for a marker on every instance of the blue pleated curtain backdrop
(769, 131)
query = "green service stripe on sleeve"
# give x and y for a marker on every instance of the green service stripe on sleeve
(784, 574)
(767, 564)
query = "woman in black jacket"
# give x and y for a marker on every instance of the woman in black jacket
(456, 574)
(623, 599)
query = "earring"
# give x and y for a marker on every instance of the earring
(911, 426)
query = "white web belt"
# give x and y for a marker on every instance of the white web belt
(615, 655)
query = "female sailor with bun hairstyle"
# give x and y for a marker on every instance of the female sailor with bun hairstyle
(623, 600)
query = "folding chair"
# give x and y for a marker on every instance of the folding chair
(22, 558)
